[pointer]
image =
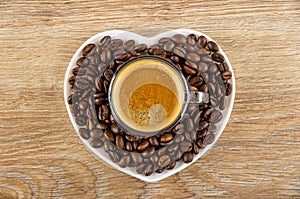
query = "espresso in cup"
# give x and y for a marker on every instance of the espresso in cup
(147, 95)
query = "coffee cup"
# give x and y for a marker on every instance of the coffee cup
(149, 95)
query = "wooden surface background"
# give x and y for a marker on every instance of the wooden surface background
(258, 155)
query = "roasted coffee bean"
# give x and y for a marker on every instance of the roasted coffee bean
(178, 129)
(88, 49)
(203, 88)
(206, 113)
(211, 87)
(199, 143)
(114, 156)
(115, 129)
(75, 70)
(180, 51)
(75, 110)
(140, 169)
(172, 147)
(202, 41)
(191, 65)
(80, 120)
(154, 141)
(72, 80)
(105, 86)
(212, 46)
(159, 52)
(202, 67)
(82, 83)
(94, 59)
(194, 88)
(99, 84)
(99, 101)
(74, 98)
(108, 146)
(116, 44)
(215, 117)
(131, 138)
(185, 146)
(154, 158)
(70, 99)
(96, 134)
(124, 161)
(140, 47)
(162, 151)
(148, 152)
(187, 157)
(120, 141)
(213, 68)
(217, 57)
(193, 57)
(117, 55)
(163, 40)
(82, 104)
(84, 133)
(180, 39)
(228, 89)
(196, 81)
(159, 170)
(166, 138)
(143, 145)
(105, 112)
(164, 161)
(83, 62)
(189, 70)
(225, 66)
(195, 149)
(136, 157)
(179, 138)
(129, 45)
(106, 55)
(171, 165)
(102, 125)
(153, 47)
(109, 135)
(124, 57)
(196, 117)
(91, 71)
(96, 143)
(203, 53)
(189, 125)
(212, 128)
(193, 135)
(169, 46)
(202, 125)
(175, 59)
(105, 41)
(191, 39)
(128, 146)
(226, 75)
(222, 103)
(207, 59)
(209, 138)
(148, 170)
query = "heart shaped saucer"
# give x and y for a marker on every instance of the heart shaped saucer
(203, 64)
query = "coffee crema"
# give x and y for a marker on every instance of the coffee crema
(148, 95)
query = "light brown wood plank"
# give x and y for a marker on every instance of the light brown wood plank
(258, 155)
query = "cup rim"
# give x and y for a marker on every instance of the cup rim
(178, 118)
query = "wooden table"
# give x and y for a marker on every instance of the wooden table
(258, 155)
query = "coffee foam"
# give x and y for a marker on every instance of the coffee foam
(137, 74)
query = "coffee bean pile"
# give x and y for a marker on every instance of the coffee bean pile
(203, 67)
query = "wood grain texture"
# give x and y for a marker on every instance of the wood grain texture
(258, 155)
